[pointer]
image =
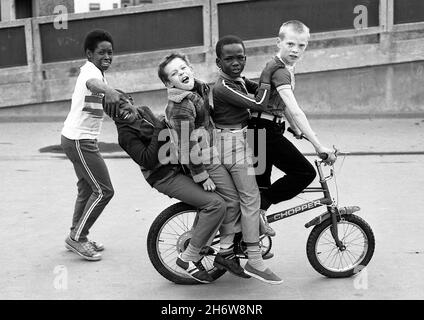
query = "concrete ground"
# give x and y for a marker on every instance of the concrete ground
(383, 174)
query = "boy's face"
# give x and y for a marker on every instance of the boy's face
(292, 46)
(102, 55)
(180, 75)
(128, 112)
(232, 60)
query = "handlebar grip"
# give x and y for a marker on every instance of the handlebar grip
(289, 129)
(302, 136)
(323, 155)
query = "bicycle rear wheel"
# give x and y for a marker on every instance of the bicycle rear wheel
(326, 258)
(169, 235)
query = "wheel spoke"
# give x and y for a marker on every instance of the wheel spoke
(334, 258)
(171, 226)
(329, 239)
(350, 256)
(330, 243)
(343, 257)
(167, 244)
(329, 255)
(167, 253)
(179, 222)
(359, 237)
(173, 236)
(329, 251)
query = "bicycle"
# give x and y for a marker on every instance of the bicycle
(349, 238)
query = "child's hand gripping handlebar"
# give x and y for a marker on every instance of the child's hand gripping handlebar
(327, 158)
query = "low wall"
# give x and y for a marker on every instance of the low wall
(377, 91)
(374, 71)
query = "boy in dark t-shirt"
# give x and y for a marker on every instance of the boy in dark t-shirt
(299, 173)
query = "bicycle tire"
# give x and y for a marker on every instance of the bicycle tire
(157, 258)
(314, 253)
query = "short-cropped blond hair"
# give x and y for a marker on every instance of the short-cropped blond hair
(295, 25)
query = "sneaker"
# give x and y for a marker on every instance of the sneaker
(84, 249)
(96, 245)
(264, 227)
(230, 263)
(266, 276)
(267, 256)
(196, 270)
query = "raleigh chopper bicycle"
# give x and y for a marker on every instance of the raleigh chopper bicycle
(340, 244)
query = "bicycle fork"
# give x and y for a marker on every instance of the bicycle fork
(333, 211)
(334, 230)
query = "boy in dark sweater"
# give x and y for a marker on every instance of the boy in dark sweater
(138, 135)
(234, 97)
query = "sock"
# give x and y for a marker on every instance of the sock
(191, 253)
(226, 243)
(254, 256)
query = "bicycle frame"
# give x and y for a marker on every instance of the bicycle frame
(326, 200)
(332, 211)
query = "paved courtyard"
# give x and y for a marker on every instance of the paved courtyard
(384, 175)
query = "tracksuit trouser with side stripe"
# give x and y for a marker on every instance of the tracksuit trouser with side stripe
(94, 186)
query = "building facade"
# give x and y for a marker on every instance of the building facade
(20, 9)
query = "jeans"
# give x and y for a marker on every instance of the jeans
(235, 155)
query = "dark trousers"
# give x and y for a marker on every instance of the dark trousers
(94, 186)
(281, 153)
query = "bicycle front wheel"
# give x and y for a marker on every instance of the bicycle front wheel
(326, 258)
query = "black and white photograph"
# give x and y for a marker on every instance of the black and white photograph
(212, 156)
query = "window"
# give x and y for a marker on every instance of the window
(94, 6)
(115, 6)
(125, 3)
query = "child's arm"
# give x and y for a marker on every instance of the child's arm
(112, 97)
(182, 119)
(299, 119)
(292, 123)
(251, 86)
(232, 94)
(145, 155)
